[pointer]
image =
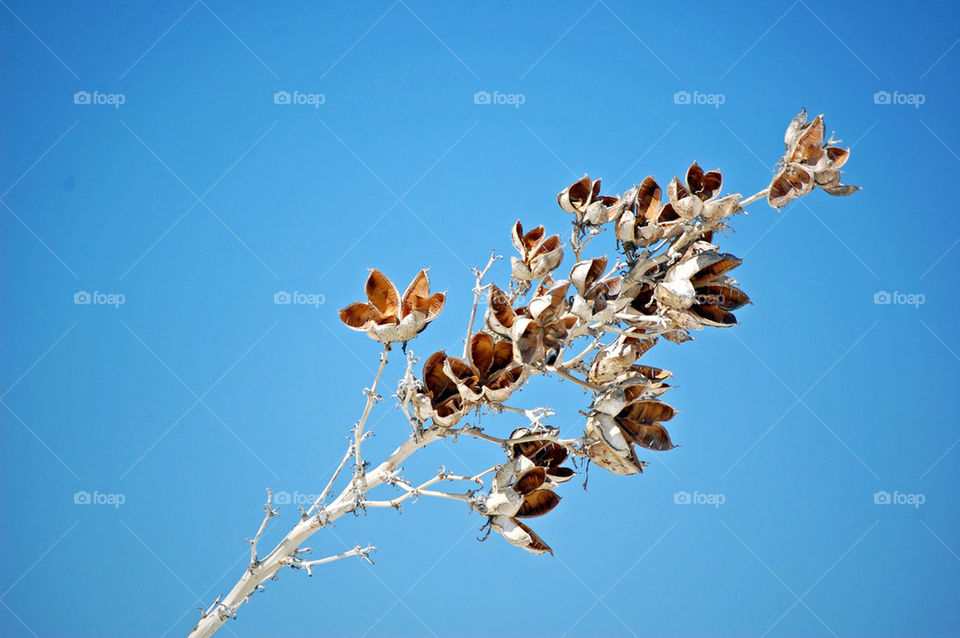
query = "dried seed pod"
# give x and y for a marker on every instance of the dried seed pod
(808, 161)
(440, 399)
(607, 447)
(516, 533)
(538, 254)
(389, 318)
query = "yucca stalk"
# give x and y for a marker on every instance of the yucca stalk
(667, 278)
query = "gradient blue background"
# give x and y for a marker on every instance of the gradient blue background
(199, 392)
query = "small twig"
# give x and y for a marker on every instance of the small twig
(298, 563)
(420, 490)
(586, 351)
(477, 291)
(569, 377)
(372, 398)
(477, 433)
(329, 488)
(269, 513)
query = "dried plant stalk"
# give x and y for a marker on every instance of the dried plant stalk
(668, 278)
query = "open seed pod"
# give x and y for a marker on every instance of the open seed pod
(808, 161)
(594, 301)
(678, 288)
(688, 206)
(649, 220)
(721, 208)
(544, 453)
(539, 336)
(493, 374)
(629, 389)
(705, 185)
(440, 399)
(388, 317)
(716, 298)
(538, 254)
(583, 200)
(610, 438)
(617, 358)
(517, 533)
(640, 423)
(500, 315)
(608, 447)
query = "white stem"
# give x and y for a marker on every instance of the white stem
(267, 568)
(755, 197)
(329, 488)
(363, 552)
(269, 513)
(372, 398)
(477, 291)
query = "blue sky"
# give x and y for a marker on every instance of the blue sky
(198, 198)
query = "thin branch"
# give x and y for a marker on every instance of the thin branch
(477, 291)
(372, 397)
(298, 563)
(478, 433)
(569, 377)
(269, 513)
(329, 488)
(421, 490)
(596, 343)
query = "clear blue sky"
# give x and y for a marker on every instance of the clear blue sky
(198, 198)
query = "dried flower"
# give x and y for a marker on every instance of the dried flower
(808, 161)
(387, 317)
